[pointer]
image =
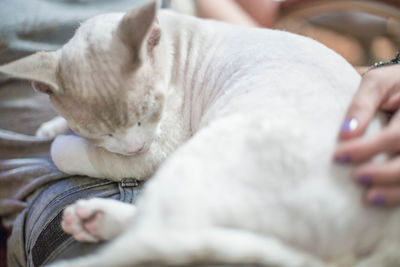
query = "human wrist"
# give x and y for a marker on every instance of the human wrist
(395, 60)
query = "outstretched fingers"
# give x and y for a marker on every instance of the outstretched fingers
(379, 90)
(381, 180)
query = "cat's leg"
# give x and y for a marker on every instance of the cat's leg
(187, 247)
(74, 155)
(70, 154)
(52, 128)
(97, 219)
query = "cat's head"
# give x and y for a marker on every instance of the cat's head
(107, 81)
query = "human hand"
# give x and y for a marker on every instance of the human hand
(379, 90)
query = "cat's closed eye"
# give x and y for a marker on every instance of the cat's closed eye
(139, 123)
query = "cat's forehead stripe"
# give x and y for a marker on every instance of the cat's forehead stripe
(93, 83)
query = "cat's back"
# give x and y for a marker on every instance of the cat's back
(231, 69)
(243, 62)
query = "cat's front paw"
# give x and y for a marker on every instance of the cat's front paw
(52, 128)
(96, 219)
(84, 221)
(70, 154)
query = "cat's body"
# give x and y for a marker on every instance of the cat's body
(256, 183)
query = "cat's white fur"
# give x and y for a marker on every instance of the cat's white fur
(256, 183)
(52, 128)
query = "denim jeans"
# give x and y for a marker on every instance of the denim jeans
(37, 238)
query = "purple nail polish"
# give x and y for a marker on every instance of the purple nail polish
(343, 159)
(349, 125)
(365, 180)
(378, 200)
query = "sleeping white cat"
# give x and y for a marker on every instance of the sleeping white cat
(257, 112)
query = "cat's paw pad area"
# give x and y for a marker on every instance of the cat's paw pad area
(46, 131)
(97, 219)
(84, 220)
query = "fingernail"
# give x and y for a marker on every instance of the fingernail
(349, 125)
(343, 159)
(365, 180)
(378, 200)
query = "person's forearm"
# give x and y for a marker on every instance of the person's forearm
(231, 12)
(264, 12)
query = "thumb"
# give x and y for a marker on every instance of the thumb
(362, 108)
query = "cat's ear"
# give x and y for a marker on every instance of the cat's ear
(139, 29)
(40, 68)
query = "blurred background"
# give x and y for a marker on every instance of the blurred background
(363, 31)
